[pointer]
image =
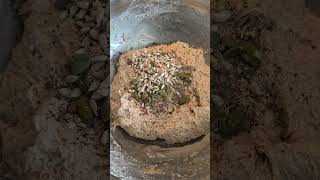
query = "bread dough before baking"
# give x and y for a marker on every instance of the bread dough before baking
(188, 121)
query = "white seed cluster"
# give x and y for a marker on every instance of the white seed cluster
(154, 71)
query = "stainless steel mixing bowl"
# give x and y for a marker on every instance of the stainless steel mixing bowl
(139, 23)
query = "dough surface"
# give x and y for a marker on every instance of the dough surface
(186, 122)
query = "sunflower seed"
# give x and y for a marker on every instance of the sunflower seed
(94, 107)
(94, 86)
(72, 78)
(75, 93)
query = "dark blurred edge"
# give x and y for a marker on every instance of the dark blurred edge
(313, 6)
(211, 103)
(108, 97)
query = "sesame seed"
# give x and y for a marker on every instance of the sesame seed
(154, 72)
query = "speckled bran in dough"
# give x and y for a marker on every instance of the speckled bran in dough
(187, 122)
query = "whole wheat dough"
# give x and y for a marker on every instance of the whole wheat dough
(187, 122)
